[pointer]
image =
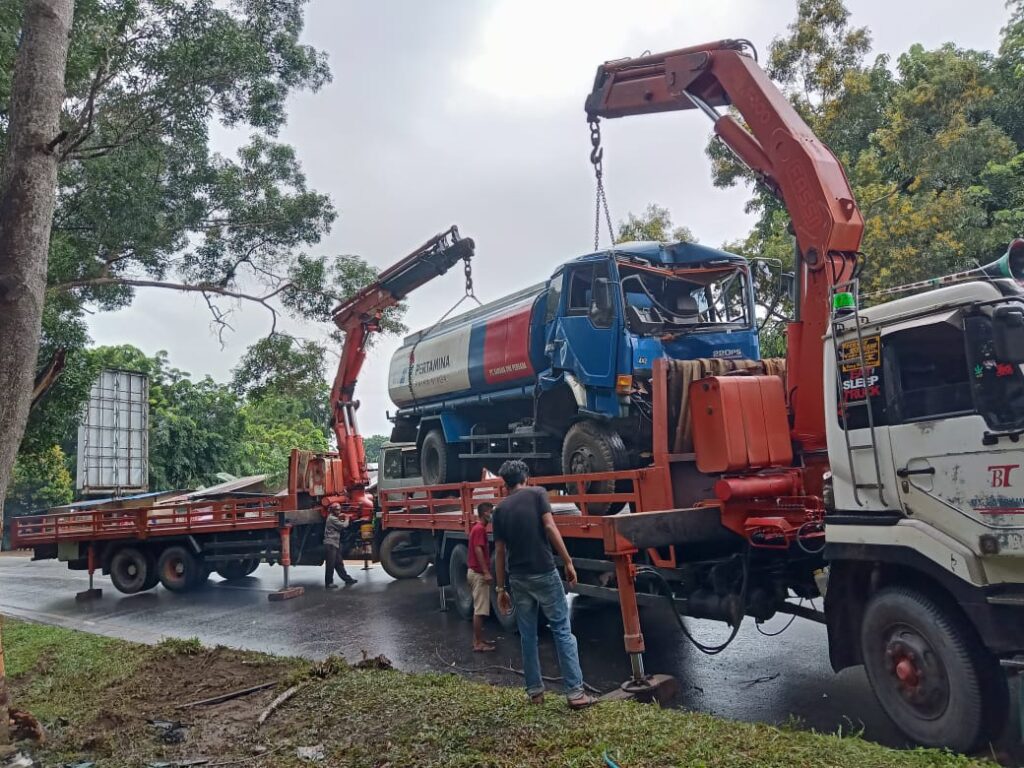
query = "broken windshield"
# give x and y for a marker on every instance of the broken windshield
(662, 301)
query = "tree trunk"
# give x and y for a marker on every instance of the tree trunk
(27, 189)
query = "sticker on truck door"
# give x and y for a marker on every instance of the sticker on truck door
(849, 353)
(858, 381)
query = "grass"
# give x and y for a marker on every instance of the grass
(95, 695)
(58, 670)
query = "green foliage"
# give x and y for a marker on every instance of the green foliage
(180, 646)
(286, 369)
(267, 440)
(655, 223)
(141, 196)
(933, 147)
(372, 445)
(40, 480)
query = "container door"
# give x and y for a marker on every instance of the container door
(585, 340)
(948, 397)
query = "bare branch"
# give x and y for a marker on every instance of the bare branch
(202, 288)
(219, 318)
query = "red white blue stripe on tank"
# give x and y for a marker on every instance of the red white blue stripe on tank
(491, 353)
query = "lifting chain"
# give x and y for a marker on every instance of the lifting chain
(600, 197)
(468, 270)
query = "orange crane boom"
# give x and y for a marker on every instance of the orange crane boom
(782, 150)
(358, 317)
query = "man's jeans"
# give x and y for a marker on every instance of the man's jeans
(546, 591)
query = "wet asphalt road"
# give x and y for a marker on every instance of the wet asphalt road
(772, 680)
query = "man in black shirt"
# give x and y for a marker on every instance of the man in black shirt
(525, 532)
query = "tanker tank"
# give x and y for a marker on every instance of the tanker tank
(495, 346)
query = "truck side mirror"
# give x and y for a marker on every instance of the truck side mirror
(1008, 334)
(787, 284)
(602, 305)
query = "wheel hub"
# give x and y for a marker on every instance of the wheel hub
(917, 673)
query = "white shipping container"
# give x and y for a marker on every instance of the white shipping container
(113, 439)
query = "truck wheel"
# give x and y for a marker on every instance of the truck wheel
(458, 563)
(397, 559)
(930, 675)
(591, 447)
(251, 565)
(235, 569)
(439, 463)
(178, 568)
(154, 575)
(507, 621)
(130, 570)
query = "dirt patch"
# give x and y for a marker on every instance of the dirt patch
(155, 712)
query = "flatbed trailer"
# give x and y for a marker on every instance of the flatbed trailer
(177, 544)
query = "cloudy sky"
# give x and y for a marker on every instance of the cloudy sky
(470, 112)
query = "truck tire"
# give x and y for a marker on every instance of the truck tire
(154, 576)
(130, 570)
(439, 462)
(179, 569)
(929, 672)
(397, 562)
(458, 563)
(592, 447)
(236, 569)
(507, 621)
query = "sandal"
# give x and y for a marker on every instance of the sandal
(485, 648)
(582, 701)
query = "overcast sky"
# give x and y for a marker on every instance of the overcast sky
(471, 112)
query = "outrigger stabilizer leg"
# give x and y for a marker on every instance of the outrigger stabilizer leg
(92, 593)
(286, 592)
(640, 686)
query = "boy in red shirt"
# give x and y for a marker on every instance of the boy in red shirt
(479, 575)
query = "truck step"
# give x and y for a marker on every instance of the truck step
(867, 486)
(862, 447)
(1014, 600)
(505, 455)
(504, 436)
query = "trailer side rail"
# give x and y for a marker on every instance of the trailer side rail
(252, 513)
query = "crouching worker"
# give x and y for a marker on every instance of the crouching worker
(334, 526)
(479, 576)
(525, 530)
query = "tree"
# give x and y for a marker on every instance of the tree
(27, 194)
(145, 203)
(654, 224)
(932, 147)
(288, 371)
(39, 481)
(268, 439)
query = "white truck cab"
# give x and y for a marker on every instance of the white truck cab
(925, 524)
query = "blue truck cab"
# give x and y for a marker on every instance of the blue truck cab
(610, 314)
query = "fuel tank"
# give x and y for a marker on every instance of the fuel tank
(496, 346)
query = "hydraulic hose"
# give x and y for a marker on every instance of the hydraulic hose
(666, 589)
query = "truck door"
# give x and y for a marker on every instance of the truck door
(585, 341)
(947, 395)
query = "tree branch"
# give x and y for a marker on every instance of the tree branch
(202, 288)
(48, 376)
